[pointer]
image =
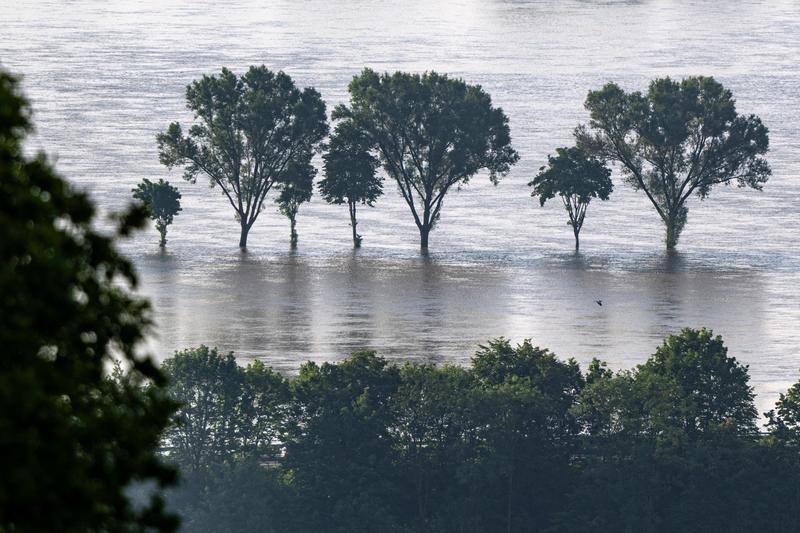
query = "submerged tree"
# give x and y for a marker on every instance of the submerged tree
(678, 139)
(350, 172)
(72, 440)
(163, 202)
(432, 133)
(247, 131)
(296, 187)
(576, 177)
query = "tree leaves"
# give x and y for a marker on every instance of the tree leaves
(431, 132)
(163, 202)
(679, 139)
(248, 130)
(72, 439)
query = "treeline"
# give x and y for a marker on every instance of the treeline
(430, 133)
(518, 441)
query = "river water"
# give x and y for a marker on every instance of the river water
(105, 77)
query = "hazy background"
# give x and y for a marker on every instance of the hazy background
(105, 77)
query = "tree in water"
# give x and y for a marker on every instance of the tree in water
(432, 133)
(678, 139)
(296, 187)
(576, 177)
(247, 131)
(162, 200)
(72, 439)
(350, 172)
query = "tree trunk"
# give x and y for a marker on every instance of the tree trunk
(577, 240)
(243, 237)
(423, 237)
(675, 220)
(672, 234)
(353, 223)
(162, 229)
(293, 239)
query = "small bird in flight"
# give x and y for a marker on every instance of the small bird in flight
(599, 302)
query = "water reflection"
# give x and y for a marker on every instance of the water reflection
(295, 307)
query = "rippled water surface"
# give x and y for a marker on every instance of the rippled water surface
(105, 77)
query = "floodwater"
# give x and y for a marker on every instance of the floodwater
(105, 77)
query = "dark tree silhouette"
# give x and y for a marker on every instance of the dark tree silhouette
(163, 202)
(678, 139)
(350, 175)
(295, 189)
(72, 439)
(518, 441)
(246, 133)
(784, 420)
(432, 133)
(576, 177)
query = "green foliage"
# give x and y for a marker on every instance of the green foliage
(576, 177)
(72, 439)
(518, 441)
(350, 171)
(340, 444)
(241, 496)
(226, 411)
(687, 390)
(693, 385)
(436, 445)
(163, 202)
(784, 420)
(248, 133)
(713, 485)
(431, 132)
(297, 187)
(672, 446)
(678, 139)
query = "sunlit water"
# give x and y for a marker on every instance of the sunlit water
(105, 77)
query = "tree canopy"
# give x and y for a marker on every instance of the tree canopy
(247, 132)
(296, 188)
(576, 177)
(73, 440)
(676, 140)
(784, 420)
(163, 202)
(226, 411)
(520, 440)
(699, 388)
(431, 132)
(350, 171)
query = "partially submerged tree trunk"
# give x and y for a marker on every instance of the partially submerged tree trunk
(577, 213)
(353, 223)
(243, 237)
(672, 236)
(423, 237)
(577, 233)
(293, 237)
(674, 222)
(162, 229)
